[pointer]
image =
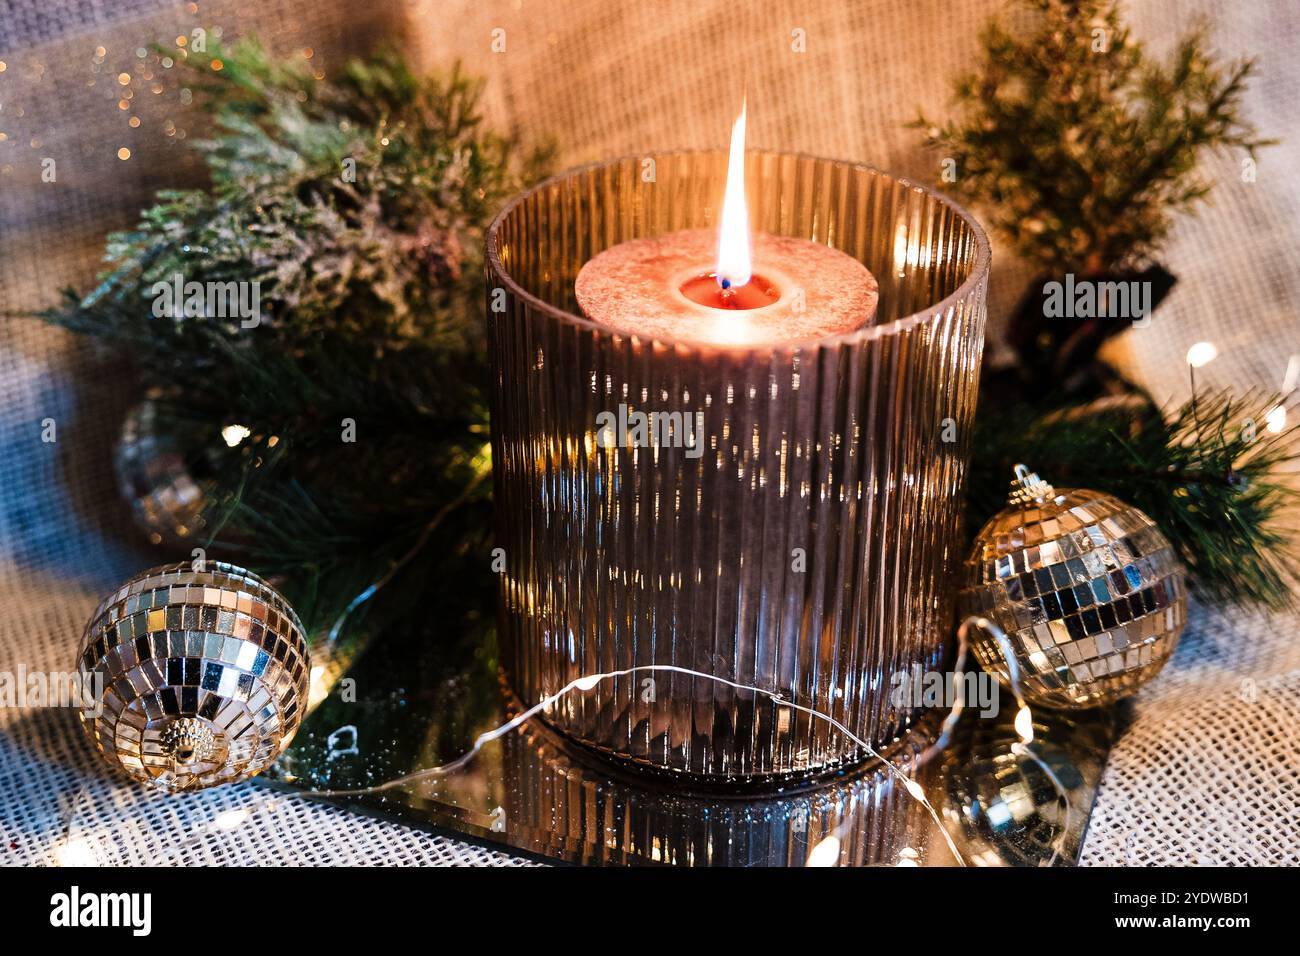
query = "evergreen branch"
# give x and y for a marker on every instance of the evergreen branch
(358, 205)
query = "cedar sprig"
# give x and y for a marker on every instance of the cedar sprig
(1077, 145)
(359, 205)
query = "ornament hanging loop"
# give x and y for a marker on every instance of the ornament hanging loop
(1028, 488)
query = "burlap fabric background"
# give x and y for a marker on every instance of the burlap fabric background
(1207, 772)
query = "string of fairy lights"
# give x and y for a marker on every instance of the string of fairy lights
(78, 850)
(1201, 354)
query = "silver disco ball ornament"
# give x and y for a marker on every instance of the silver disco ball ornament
(153, 476)
(1090, 594)
(203, 676)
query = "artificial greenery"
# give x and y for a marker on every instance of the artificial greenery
(1079, 149)
(1077, 145)
(372, 314)
(359, 206)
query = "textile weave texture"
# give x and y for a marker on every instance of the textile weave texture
(1206, 770)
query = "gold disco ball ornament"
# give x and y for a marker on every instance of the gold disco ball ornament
(1090, 594)
(202, 676)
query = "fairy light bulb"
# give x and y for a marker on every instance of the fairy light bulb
(826, 853)
(1202, 354)
(230, 819)
(234, 434)
(1275, 420)
(1275, 417)
(1025, 724)
(76, 852)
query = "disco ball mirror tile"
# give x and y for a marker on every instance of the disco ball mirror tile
(1089, 592)
(204, 676)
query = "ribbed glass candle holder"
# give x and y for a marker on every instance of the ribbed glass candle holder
(808, 550)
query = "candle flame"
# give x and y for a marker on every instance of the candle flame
(734, 266)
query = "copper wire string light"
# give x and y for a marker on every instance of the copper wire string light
(79, 850)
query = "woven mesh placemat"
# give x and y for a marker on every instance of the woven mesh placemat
(1208, 773)
(62, 806)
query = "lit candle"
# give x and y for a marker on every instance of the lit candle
(730, 288)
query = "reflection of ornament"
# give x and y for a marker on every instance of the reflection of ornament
(153, 476)
(1089, 592)
(1026, 804)
(204, 676)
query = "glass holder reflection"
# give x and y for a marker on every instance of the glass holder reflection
(423, 697)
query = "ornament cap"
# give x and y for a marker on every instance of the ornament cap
(1028, 488)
